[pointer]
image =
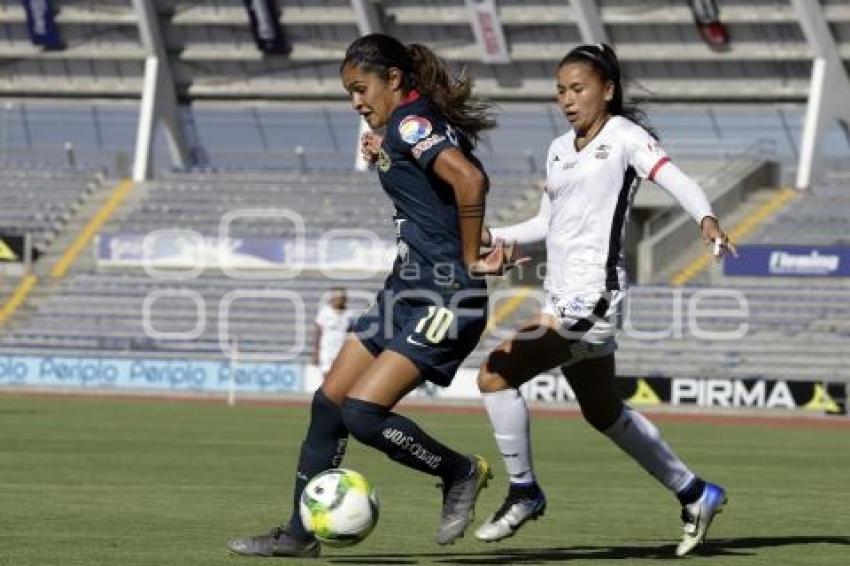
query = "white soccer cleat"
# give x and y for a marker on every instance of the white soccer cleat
(513, 513)
(698, 515)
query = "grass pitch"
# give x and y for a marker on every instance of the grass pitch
(114, 482)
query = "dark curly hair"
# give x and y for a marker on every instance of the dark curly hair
(429, 74)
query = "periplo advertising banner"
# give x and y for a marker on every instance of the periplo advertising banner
(199, 376)
(785, 261)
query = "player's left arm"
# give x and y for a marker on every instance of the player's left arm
(470, 188)
(651, 162)
(692, 198)
(436, 146)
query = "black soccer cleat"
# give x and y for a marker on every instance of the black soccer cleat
(276, 542)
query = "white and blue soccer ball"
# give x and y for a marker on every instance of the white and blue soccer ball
(339, 507)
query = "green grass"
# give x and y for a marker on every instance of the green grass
(101, 481)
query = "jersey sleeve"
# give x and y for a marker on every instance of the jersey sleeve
(322, 316)
(424, 137)
(645, 153)
(530, 231)
(685, 190)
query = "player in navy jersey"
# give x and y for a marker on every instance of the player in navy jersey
(591, 175)
(433, 307)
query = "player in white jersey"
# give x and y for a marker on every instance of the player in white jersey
(592, 172)
(330, 329)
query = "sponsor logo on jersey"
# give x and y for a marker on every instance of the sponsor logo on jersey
(564, 164)
(384, 161)
(413, 128)
(602, 151)
(427, 144)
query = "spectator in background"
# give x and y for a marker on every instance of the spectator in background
(707, 19)
(331, 326)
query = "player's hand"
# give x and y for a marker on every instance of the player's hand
(715, 238)
(498, 260)
(370, 145)
(486, 237)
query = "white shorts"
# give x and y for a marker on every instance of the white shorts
(589, 318)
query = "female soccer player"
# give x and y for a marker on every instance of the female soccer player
(591, 174)
(432, 310)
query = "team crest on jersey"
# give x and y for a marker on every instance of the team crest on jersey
(384, 162)
(602, 151)
(413, 128)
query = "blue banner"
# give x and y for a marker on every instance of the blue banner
(182, 248)
(41, 24)
(785, 261)
(186, 248)
(265, 27)
(146, 374)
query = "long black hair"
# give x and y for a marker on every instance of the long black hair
(423, 70)
(605, 64)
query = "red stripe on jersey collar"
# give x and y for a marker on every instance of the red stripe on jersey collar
(412, 96)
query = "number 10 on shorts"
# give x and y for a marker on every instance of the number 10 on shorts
(436, 323)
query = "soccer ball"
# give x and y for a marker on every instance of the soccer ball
(339, 507)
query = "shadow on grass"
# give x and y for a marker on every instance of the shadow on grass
(746, 546)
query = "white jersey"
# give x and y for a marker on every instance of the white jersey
(587, 201)
(334, 325)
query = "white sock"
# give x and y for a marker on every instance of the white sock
(639, 438)
(509, 417)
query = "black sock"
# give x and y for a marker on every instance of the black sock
(400, 439)
(524, 490)
(322, 449)
(692, 492)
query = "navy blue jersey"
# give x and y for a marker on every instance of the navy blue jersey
(427, 227)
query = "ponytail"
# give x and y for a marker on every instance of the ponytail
(452, 95)
(605, 64)
(423, 70)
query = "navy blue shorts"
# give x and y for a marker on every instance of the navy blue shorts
(435, 337)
